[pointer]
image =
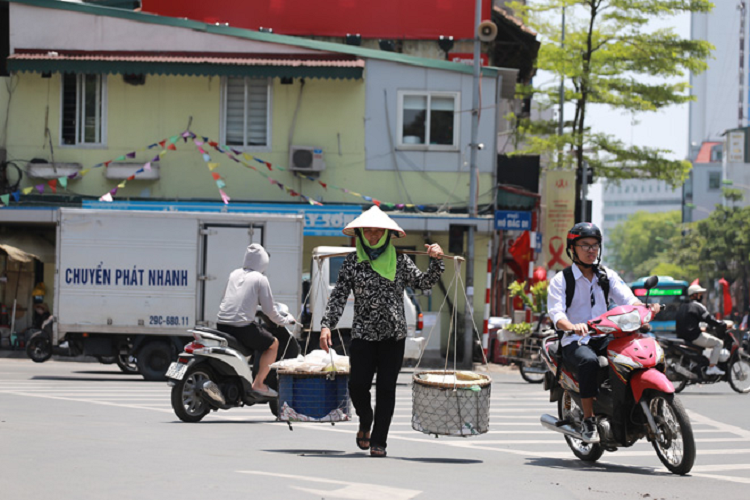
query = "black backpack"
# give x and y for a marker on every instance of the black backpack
(570, 284)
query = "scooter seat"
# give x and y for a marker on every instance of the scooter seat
(232, 341)
(678, 342)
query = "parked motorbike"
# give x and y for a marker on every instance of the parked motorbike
(215, 371)
(686, 363)
(39, 349)
(636, 400)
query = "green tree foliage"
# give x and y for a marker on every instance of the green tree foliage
(640, 245)
(607, 53)
(718, 246)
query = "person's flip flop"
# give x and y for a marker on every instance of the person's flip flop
(363, 443)
(377, 451)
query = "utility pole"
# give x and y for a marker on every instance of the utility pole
(562, 82)
(741, 91)
(472, 212)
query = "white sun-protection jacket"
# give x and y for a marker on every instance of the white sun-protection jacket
(247, 288)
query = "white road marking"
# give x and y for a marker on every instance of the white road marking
(350, 490)
(508, 417)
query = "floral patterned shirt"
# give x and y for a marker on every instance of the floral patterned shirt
(378, 302)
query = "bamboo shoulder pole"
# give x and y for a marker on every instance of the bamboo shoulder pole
(407, 252)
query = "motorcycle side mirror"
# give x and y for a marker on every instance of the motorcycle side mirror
(651, 282)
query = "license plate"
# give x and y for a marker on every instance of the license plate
(176, 371)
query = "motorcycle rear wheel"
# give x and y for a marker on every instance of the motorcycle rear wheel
(739, 375)
(186, 401)
(568, 409)
(39, 347)
(674, 445)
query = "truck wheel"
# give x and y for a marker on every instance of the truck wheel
(153, 360)
(39, 347)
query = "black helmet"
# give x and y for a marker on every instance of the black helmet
(583, 230)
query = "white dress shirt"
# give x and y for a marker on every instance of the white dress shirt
(581, 310)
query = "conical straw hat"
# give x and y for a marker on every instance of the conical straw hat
(374, 217)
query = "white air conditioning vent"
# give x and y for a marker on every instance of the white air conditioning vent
(306, 159)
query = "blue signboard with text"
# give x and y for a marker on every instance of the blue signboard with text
(326, 220)
(512, 220)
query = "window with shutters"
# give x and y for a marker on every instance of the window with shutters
(84, 110)
(428, 120)
(246, 112)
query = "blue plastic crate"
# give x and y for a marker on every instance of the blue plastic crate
(314, 395)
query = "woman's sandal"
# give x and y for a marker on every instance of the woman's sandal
(377, 451)
(363, 443)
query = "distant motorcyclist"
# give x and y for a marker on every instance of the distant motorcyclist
(247, 288)
(688, 320)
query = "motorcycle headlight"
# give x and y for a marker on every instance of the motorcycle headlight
(627, 322)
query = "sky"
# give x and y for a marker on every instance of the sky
(666, 129)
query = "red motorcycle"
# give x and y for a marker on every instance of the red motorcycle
(636, 399)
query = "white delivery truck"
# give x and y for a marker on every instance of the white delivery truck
(130, 283)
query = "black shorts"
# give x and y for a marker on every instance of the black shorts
(251, 336)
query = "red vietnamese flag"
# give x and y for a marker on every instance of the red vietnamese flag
(727, 297)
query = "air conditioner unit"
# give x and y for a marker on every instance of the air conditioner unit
(306, 159)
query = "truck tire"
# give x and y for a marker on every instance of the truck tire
(153, 360)
(39, 347)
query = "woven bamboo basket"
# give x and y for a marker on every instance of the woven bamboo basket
(451, 403)
(313, 397)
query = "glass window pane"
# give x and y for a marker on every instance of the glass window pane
(257, 112)
(714, 180)
(90, 94)
(441, 120)
(335, 264)
(69, 109)
(414, 119)
(234, 116)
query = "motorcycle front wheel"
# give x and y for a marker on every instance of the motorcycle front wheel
(739, 375)
(674, 443)
(568, 409)
(186, 401)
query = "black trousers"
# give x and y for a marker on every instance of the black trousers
(584, 359)
(366, 358)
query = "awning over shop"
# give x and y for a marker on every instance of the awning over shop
(342, 66)
(17, 254)
(25, 246)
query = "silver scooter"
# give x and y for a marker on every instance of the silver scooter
(215, 371)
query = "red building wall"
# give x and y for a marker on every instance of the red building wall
(386, 19)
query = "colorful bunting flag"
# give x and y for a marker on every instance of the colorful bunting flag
(16, 195)
(5, 198)
(63, 181)
(53, 185)
(106, 197)
(27, 190)
(216, 175)
(224, 197)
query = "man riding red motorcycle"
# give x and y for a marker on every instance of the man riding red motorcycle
(576, 295)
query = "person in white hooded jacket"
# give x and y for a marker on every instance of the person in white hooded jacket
(247, 288)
